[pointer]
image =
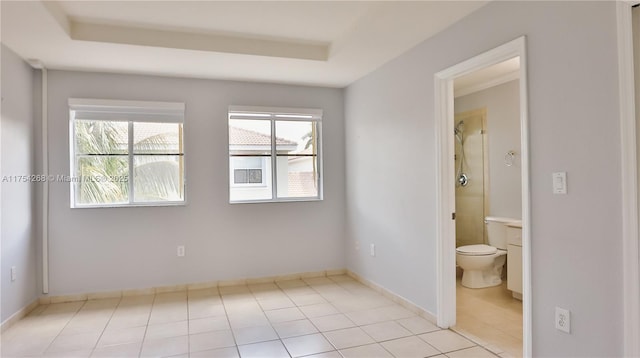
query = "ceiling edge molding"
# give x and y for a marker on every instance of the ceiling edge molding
(245, 45)
(55, 10)
(496, 81)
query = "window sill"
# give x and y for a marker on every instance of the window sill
(137, 205)
(280, 200)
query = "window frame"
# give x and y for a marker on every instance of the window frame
(129, 112)
(273, 115)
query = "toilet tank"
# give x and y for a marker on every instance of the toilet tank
(497, 230)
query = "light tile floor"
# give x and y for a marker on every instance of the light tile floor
(493, 316)
(316, 317)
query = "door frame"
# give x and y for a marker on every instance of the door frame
(445, 182)
(629, 172)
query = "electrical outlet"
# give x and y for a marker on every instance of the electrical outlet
(14, 274)
(181, 252)
(357, 245)
(372, 249)
(563, 320)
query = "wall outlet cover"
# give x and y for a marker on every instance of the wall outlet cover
(563, 320)
(180, 251)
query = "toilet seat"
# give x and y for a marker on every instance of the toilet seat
(476, 250)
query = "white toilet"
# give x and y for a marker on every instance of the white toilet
(482, 264)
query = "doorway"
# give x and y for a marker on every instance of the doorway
(628, 16)
(488, 140)
(446, 181)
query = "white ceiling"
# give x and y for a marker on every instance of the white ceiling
(325, 43)
(494, 75)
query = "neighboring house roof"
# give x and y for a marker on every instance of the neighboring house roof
(157, 136)
(308, 150)
(241, 136)
(306, 158)
(301, 184)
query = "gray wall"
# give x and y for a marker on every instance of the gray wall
(574, 127)
(18, 223)
(120, 248)
(503, 134)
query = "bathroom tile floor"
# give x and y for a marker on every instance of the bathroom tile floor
(318, 317)
(491, 317)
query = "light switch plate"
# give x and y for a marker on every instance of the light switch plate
(560, 183)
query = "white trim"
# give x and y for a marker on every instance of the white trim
(274, 162)
(273, 115)
(129, 112)
(194, 41)
(130, 106)
(445, 189)
(45, 184)
(507, 77)
(629, 172)
(138, 111)
(259, 112)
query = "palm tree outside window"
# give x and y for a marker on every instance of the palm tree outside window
(126, 153)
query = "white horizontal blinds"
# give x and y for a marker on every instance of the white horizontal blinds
(120, 110)
(280, 113)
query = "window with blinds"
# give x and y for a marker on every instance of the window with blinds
(274, 154)
(126, 153)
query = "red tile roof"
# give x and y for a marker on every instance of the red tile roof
(301, 184)
(241, 136)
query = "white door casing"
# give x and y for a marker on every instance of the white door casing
(445, 187)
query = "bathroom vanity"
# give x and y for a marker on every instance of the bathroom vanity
(514, 259)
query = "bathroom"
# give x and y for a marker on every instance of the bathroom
(489, 206)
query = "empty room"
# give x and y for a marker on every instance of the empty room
(319, 179)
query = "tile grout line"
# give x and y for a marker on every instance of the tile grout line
(374, 340)
(268, 320)
(146, 328)
(334, 289)
(226, 314)
(188, 324)
(357, 326)
(95, 346)
(65, 326)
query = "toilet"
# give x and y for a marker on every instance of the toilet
(482, 264)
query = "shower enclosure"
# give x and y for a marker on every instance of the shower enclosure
(471, 177)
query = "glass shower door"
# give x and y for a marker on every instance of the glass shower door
(471, 184)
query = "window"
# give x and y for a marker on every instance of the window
(126, 153)
(274, 154)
